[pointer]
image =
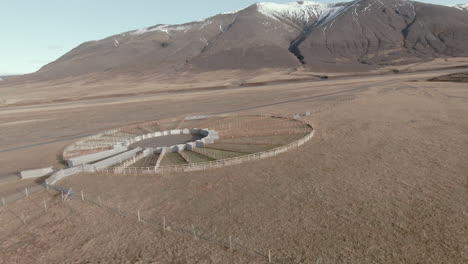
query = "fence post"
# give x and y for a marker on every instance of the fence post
(45, 205)
(139, 218)
(23, 218)
(194, 232)
(164, 224)
(3, 201)
(269, 256)
(230, 242)
(26, 191)
(69, 193)
(82, 196)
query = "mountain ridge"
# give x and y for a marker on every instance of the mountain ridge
(359, 34)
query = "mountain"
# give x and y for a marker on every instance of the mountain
(354, 35)
(7, 77)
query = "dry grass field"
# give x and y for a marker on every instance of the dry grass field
(383, 180)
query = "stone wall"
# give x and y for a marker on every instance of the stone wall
(36, 173)
(116, 159)
(95, 157)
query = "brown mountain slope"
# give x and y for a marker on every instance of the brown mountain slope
(387, 32)
(359, 34)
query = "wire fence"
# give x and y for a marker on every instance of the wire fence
(20, 194)
(17, 214)
(166, 225)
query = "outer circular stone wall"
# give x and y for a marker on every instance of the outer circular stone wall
(224, 140)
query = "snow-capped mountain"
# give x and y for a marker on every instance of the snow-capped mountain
(352, 35)
(301, 11)
(462, 7)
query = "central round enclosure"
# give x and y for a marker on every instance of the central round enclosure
(166, 141)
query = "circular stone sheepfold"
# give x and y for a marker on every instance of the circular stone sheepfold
(176, 145)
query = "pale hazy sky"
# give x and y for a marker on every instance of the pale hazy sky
(36, 32)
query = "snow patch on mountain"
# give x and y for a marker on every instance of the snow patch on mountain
(461, 7)
(163, 28)
(204, 40)
(232, 12)
(169, 29)
(206, 23)
(302, 11)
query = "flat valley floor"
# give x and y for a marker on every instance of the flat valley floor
(383, 180)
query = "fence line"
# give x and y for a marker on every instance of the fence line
(215, 163)
(164, 225)
(4, 200)
(130, 161)
(27, 191)
(169, 226)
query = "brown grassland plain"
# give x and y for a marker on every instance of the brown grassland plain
(382, 181)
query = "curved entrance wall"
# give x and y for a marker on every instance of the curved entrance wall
(209, 137)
